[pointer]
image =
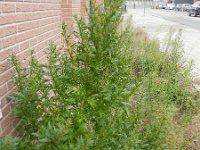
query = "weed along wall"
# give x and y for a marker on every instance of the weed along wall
(111, 87)
(25, 25)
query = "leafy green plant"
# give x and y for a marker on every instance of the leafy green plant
(164, 99)
(8, 143)
(86, 86)
(111, 88)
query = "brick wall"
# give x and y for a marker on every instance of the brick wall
(67, 11)
(24, 25)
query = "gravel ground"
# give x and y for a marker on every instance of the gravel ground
(158, 27)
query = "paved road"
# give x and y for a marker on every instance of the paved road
(157, 24)
(178, 17)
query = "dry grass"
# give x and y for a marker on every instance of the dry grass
(192, 134)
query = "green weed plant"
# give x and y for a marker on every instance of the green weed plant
(112, 88)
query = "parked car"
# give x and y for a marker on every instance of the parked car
(178, 7)
(162, 5)
(195, 9)
(170, 6)
(186, 7)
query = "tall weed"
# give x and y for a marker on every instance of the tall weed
(110, 89)
(78, 100)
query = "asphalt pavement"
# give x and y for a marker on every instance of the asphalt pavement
(178, 17)
(157, 24)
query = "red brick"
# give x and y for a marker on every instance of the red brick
(8, 8)
(6, 76)
(8, 41)
(6, 121)
(24, 25)
(24, 45)
(6, 53)
(4, 65)
(3, 102)
(7, 19)
(3, 90)
(6, 125)
(6, 110)
(10, 85)
(8, 30)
